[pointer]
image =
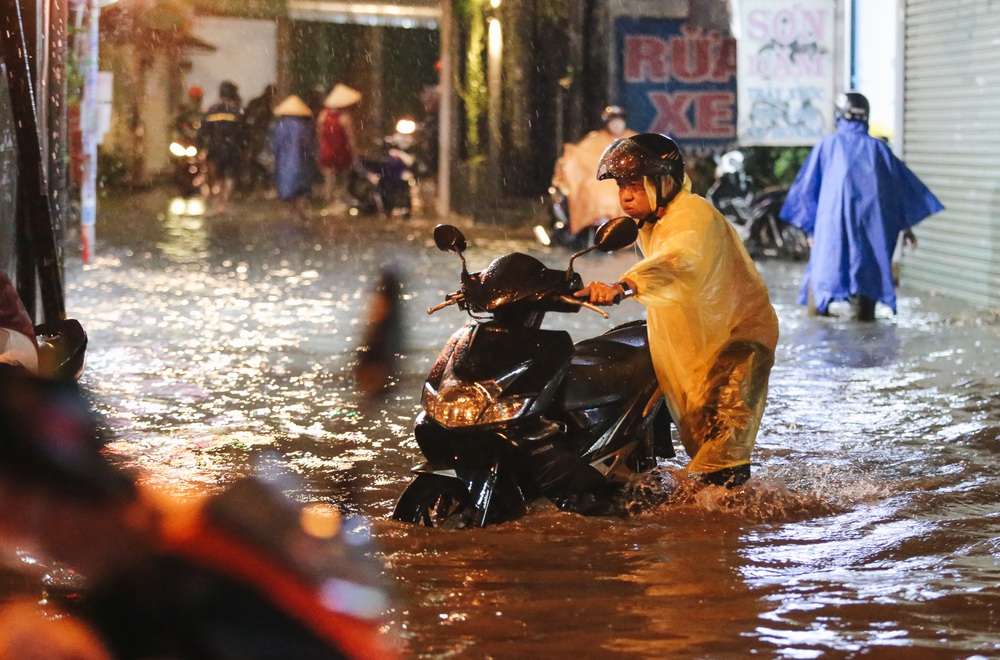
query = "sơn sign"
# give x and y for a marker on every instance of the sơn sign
(786, 71)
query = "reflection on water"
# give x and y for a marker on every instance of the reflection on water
(185, 238)
(849, 344)
(871, 520)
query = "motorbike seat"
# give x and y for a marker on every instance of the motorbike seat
(609, 368)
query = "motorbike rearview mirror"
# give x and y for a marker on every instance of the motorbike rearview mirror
(616, 234)
(612, 235)
(449, 238)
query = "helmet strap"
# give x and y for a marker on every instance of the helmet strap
(658, 195)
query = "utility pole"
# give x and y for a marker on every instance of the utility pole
(88, 124)
(446, 131)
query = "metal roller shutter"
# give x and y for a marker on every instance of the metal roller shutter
(951, 139)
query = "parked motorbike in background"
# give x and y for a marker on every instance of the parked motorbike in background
(513, 412)
(187, 167)
(559, 230)
(755, 214)
(388, 183)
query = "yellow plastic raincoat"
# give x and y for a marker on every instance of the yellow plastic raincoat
(589, 199)
(712, 330)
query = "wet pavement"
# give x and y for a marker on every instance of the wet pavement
(870, 528)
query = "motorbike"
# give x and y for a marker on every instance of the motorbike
(577, 202)
(558, 231)
(188, 169)
(512, 412)
(387, 183)
(755, 215)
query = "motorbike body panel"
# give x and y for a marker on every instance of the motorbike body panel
(489, 351)
(607, 389)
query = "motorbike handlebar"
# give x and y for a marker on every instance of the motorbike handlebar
(452, 300)
(583, 303)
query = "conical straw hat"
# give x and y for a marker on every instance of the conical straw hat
(293, 106)
(342, 96)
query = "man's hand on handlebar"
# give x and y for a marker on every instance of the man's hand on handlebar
(599, 293)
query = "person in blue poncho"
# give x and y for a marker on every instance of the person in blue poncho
(293, 143)
(853, 198)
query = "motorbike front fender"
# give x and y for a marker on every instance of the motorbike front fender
(494, 496)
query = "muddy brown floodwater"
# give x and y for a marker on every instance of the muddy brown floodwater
(871, 526)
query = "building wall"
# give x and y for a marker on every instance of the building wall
(950, 111)
(158, 116)
(875, 61)
(246, 53)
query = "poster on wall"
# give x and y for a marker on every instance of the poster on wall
(678, 79)
(785, 71)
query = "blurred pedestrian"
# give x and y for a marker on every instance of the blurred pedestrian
(337, 148)
(428, 134)
(60, 497)
(591, 202)
(221, 139)
(293, 143)
(314, 98)
(378, 355)
(257, 118)
(854, 198)
(249, 573)
(28, 633)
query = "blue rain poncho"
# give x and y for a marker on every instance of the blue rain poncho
(854, 197)
(293, 144)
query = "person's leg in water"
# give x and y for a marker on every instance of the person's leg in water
(811, 306)
(335, 189)
(862, 308)
(728, 422)
(226, 188)
(210, 189)
(221, 184)
(300, 207)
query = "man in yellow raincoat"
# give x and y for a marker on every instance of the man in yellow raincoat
(712, 329)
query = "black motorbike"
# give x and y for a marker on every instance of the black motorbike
(557, 231)
(513, 412)
(189, 171)
(387, 183)
(755, 214)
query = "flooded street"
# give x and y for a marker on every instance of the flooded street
(871, 527)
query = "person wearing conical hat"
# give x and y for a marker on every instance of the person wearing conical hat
(337, 151)
(293, 143)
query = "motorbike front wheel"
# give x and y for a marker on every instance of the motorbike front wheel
(433, 500)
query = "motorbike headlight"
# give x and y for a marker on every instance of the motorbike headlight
(191, 152)
(459, 404)
(177, 149)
